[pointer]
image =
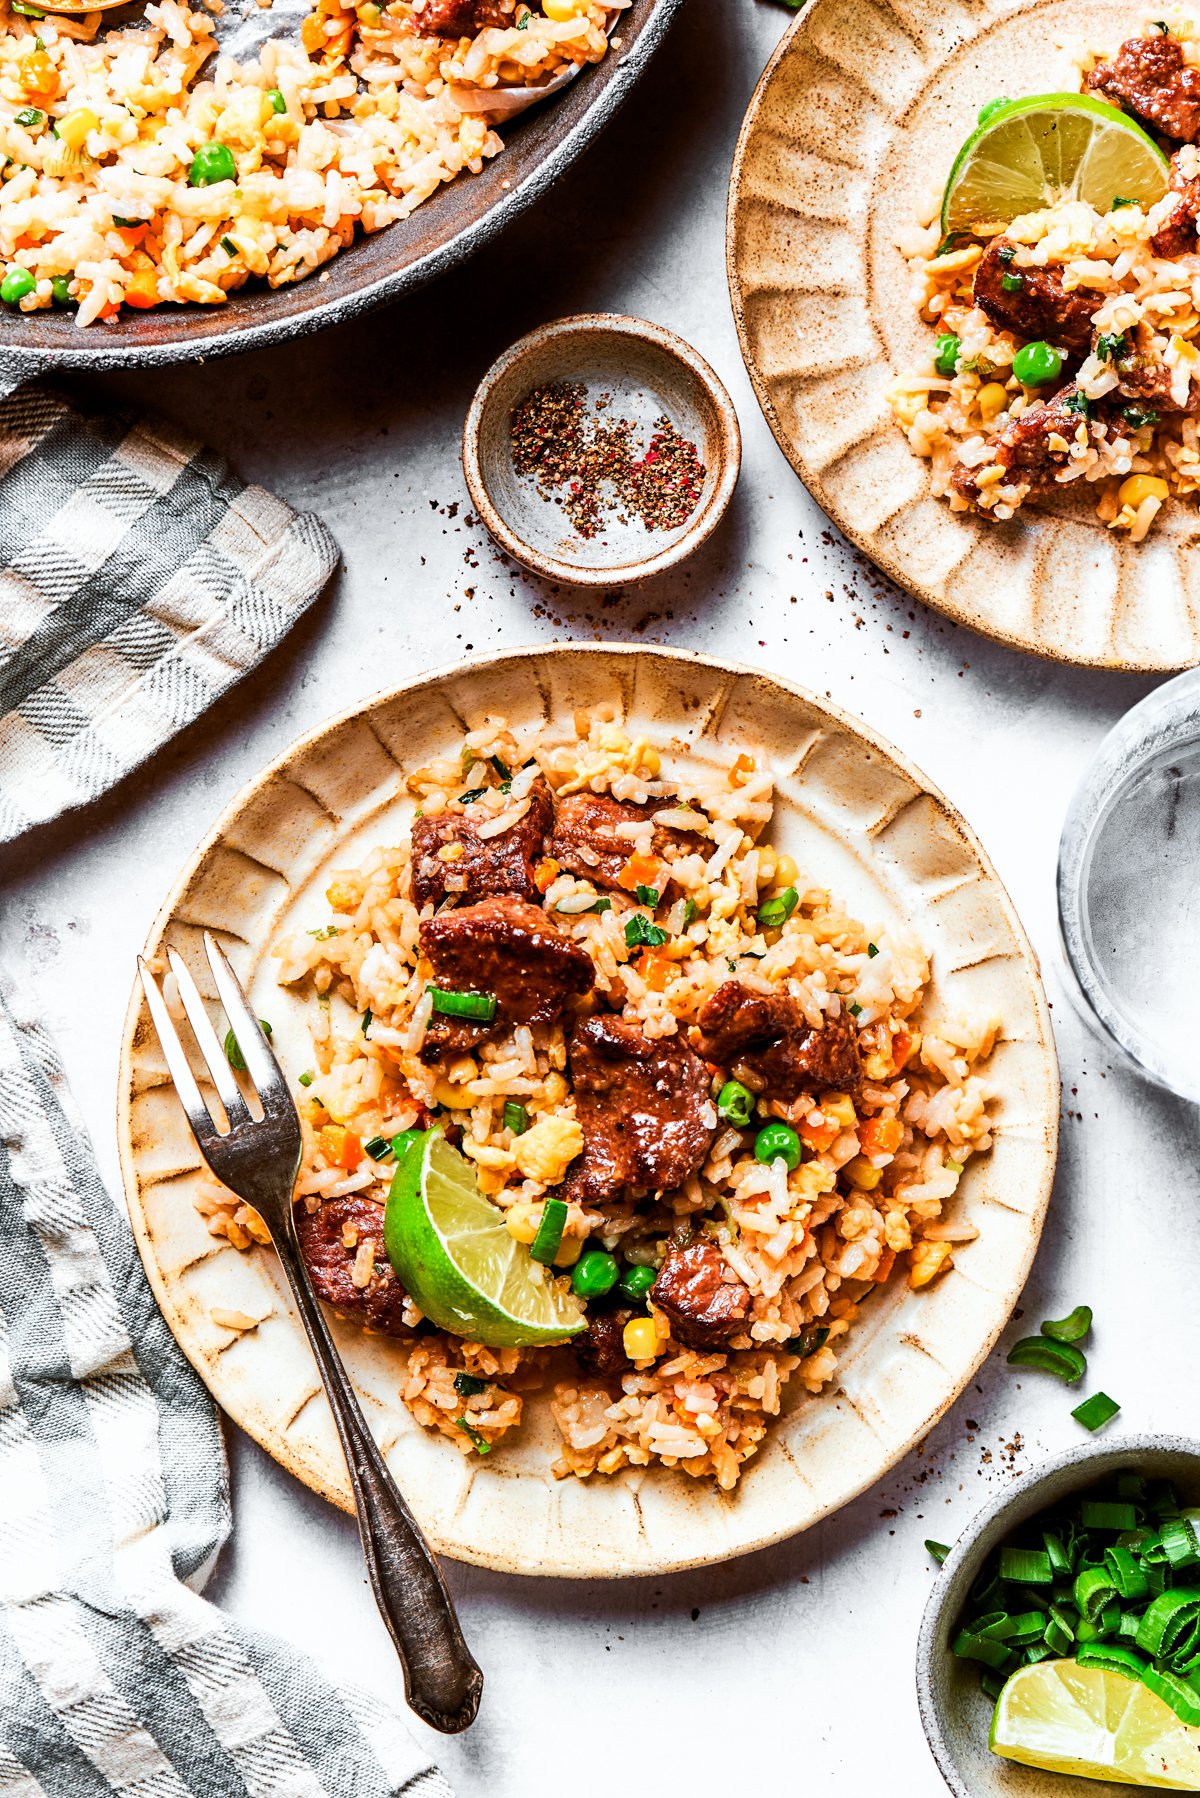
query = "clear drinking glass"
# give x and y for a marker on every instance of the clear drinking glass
(1129, 887)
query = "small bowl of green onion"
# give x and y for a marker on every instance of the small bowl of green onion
(1059, 1653)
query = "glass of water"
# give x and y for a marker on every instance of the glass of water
(1129, 887)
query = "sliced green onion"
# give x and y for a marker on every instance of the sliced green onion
(368, 1018)
(575, 904)
(1027, 1566)
(307, 1079)
(1111, 1659)
(468, 1386)
(1125, 1568)
(1066, 1617)
(641, 933)
(471, 795)
(647, 896)
(1093, 1590)
(515, 1117)
(1183, 1698)
(939, 1550)
(1179, 1542)
(969, 1647)
(1161, 1499)
(774, 913)
(479, 1006)
(1132, 1486)
(872, 951)
(377, 1147)
(1167, 1622)
(1051, 1357)
(1096, 1412)
(1056, 1638)
(546, 1243)
(233, 1049)
(992, 1683)
(504, 772)
(1070, 1329)
(481, 1444)
(1096, 1514)
(1025, 1630)
(1060, 1561)
(26, 11)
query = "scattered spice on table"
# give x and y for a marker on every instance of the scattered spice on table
(597, 467)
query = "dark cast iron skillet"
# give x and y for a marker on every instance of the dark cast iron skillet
(457, 220)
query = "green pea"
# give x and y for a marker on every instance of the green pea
(778, 1142)
(60, 287)
(595, 1274)
(1037, 364)
(212, 163)
(991, 107)
(15, 285)
(636, 1283)
(735, 1104)
(946, 351)
(278, 103)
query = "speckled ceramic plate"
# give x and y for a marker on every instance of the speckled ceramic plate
(862, 105)
(857, 818)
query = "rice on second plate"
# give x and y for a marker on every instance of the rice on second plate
(1118, 294)
(870, 1200)
(139, 166)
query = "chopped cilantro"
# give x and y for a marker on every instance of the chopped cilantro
(1006, 252)
(648, 896)
(467, 1386)
(1137, 416)
(1111, 345)
(1119, 200)
(641, 933)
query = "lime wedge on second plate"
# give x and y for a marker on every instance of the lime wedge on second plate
(450, 1248)
(1097, 1725)
(1049, 147)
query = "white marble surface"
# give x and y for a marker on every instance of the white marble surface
(623, 1686)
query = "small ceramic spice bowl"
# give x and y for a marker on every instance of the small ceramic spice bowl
(955, 1713)
(662, 450)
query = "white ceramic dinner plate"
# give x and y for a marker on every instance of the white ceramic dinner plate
(858, 819)
(863, 105)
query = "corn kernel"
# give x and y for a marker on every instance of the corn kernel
(840, 1107)
(522, 1219)
(73, 130)
(640, 1339)
(928, 1260)
(907, 405)
(562, 10)
(1140, 487)
(651, 761)
(860, 1173)
(569, 1251)
(786, 871)
(992, 400)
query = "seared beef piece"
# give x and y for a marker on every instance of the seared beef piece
(1176, 236)
(1023, 447)
(704, 1307)
(461, 18)
(379, 1305)
(769, 1033)
(1150, 79)
(1144, 381)
(511, 950)
(585, 840)
(487, 866)
(600, 1349)
(644, 1106)
(1041, 307)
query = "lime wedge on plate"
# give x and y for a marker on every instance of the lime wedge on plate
(450, 1248)
(1097, 1725)
(1031, 153)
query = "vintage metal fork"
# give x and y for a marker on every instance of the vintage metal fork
(258, 1158)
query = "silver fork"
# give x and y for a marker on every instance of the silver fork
(259, 1159)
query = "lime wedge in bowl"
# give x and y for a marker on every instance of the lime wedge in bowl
(1034, 152)
(453, 1254)
(1096, 1725)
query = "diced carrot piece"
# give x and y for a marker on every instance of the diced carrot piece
(880, 1136)
(744, 766)
(640, 871)
(340, 1146)
(142, 291)
(133, 234)
(886, 1263)
(352, 1151)
(902, 1044)
(822, 1136)
(657, 971)
(545, 874)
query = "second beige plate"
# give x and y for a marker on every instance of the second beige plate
(857, 818)
(862, 105)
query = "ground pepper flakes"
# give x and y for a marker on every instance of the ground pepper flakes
(596, 467)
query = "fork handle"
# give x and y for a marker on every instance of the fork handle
(442, 1680)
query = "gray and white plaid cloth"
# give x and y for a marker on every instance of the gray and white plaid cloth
(139, 578)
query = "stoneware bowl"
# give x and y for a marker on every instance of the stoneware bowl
(650, 373)
(864, 103)
(954, 1711)
(859, 820)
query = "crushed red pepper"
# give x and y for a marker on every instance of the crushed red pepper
(596, 467)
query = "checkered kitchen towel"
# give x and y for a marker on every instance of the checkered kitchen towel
(115, 1675)
(139, 578)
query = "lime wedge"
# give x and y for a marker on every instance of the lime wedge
(451, 1250)
(1097, 1725)
(1034, 152)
